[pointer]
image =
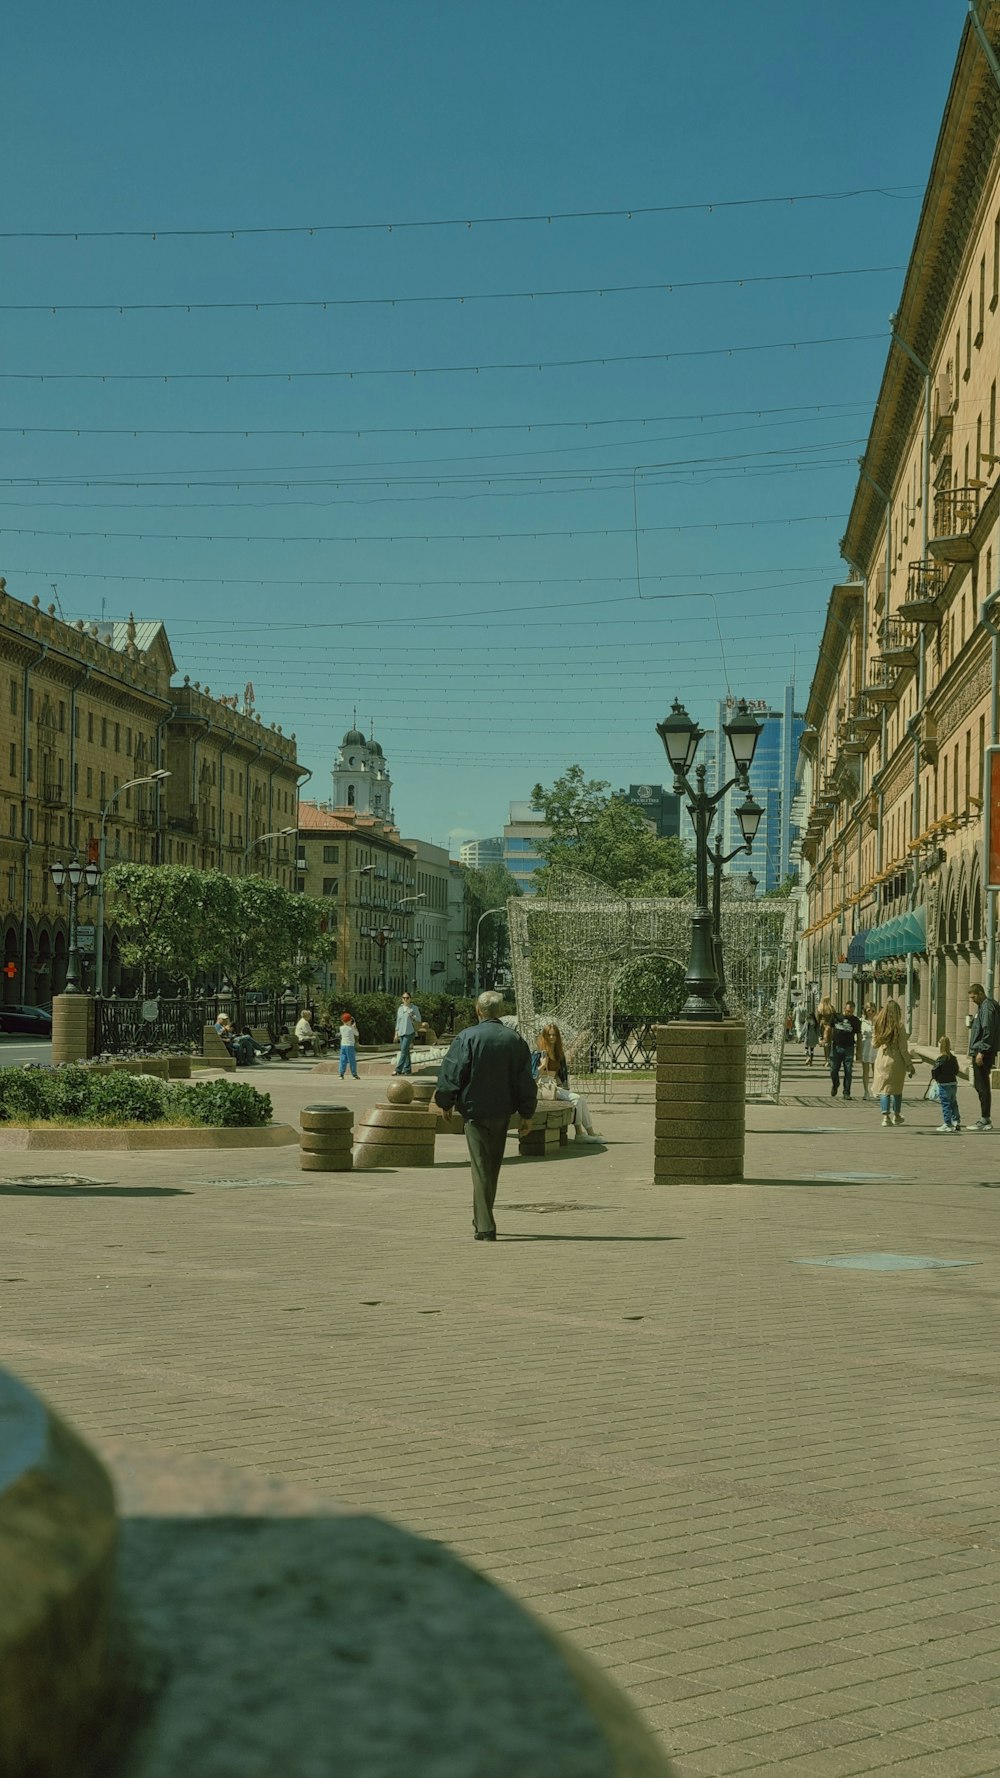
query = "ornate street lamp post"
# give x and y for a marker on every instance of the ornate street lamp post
(74, 874)
(680, 737)
(748, 815)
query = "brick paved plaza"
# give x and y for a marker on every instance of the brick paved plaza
(763, 1494)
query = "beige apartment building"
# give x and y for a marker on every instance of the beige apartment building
(84, 711)
(903, 700)
(358, 863)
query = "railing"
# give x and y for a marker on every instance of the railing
(925, 583)
(183, 823)
(178, 1022)
(896, 636)
(881, 676)
(955, 511)
(52, 793)
(631, 1045)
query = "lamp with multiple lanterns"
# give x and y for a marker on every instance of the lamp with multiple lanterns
(680, 736)
(76, 877)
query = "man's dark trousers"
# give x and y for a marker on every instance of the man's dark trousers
(981, 1080)
(486, 1145)
(842, 1058)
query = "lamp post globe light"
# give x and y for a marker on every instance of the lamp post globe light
(73, 876)
(680, 736)
(158, 777)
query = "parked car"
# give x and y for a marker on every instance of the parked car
(25, 1021)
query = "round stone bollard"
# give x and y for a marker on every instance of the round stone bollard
(397, 1134)
(326, 1140)
(700, 1129)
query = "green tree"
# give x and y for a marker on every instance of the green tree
(182, 925)
(491, 887)
(607, 838)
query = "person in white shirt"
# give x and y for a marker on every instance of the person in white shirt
(305, 1036)
(407, 1020)
(350, 1037)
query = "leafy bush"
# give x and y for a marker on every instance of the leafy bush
(231, 1103)
(23, 1094)
(41, 1094)
(123, 1099)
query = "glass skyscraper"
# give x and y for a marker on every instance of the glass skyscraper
(772, 782)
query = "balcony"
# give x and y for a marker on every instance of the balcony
(925, 584)
(183, 823)
(146, 818)
(53, 795)
(883, 682)
(897, 642)
(864, 721)
(955, 513)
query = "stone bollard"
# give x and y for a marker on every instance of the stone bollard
(399, 1133)
(253, 1628)
(700, 1129)
(72, 1028)
(327, 1135)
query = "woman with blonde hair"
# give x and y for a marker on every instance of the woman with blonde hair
(826, 1013)
(548, 1066)
(892, 1061)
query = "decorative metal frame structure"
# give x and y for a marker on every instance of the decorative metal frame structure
(572, 947)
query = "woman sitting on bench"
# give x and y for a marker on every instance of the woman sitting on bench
(548, 1065)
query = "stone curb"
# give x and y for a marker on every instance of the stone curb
(215, 1136)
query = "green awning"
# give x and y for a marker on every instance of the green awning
(902, 936)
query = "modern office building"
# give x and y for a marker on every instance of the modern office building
(772, 782)
(660, 807)
(520, 845)
(477, 854)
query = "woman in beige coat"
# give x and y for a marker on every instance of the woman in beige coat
(893, 1061)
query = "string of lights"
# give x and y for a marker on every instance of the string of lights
(624, 213)
(425, 370)
(264, 305)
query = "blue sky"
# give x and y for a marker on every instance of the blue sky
(506, 570)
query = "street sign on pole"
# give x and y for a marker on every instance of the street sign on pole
(85, 939)
(845, 972)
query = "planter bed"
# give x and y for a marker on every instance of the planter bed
(149, 1136)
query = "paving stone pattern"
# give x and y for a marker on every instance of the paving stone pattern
(762, 1494)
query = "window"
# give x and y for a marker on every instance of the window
(76, 779)
(104, 731)
(993, 423)
(104, 788)
(982, 299)
(13, 829)
(996, 261)
(331, 854)
(968, 337)
(90, 725)
(31, 704)
(62, 717)
(76, 723)
(13, 697)
(30, 772)
(90, 780)
(128, 742)
(13, 759)
(330, 885)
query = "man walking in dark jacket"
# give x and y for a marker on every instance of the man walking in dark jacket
(487, 1075)
(984, 1041)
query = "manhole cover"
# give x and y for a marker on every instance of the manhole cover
(885, 1262)
(550, 1209)
(44, 1179)
(236, 1184)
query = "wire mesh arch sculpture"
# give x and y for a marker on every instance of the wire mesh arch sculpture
(571, 948)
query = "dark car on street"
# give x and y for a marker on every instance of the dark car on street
(25, 1021)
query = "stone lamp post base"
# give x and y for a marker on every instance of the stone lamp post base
(700, 1130)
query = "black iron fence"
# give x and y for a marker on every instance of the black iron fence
(630, 1044)
(162, 1022)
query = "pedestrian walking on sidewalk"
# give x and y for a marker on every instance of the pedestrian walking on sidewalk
(867, 1048)
(826, 1012)
(407, 1020)
(350, 1037)
(945, 1072)
(845, 1044)
(984, 1041)
(893, 1062)
(487, 1076)
(810, 1036)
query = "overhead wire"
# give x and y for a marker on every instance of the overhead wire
(259, 305)
(426, 370)
(623, 213)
